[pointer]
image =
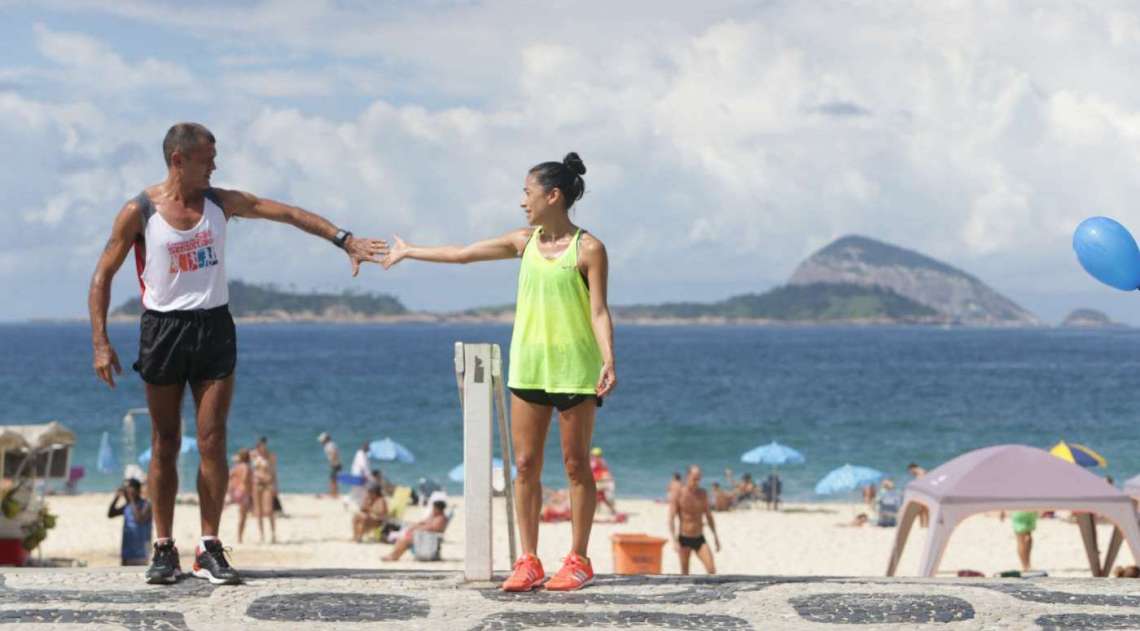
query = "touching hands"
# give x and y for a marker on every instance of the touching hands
(360, 250)
(396, 254)
(106, 363)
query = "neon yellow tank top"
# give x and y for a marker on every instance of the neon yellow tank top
(553, 346)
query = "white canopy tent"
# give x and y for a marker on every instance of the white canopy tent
(1012, 477)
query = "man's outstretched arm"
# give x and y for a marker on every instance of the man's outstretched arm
(359, 249)
(127, 227)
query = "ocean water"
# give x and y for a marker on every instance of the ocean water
(880, 397)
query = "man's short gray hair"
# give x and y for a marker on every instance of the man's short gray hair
(182, 137)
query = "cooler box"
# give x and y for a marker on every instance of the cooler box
(637, 553)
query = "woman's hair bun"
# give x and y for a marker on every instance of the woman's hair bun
(574, 163)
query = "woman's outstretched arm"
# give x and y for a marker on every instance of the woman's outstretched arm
(507, 246)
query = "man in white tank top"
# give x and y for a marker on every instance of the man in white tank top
(178, 230)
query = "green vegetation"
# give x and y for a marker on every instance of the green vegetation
(251, 300)
(820, 302)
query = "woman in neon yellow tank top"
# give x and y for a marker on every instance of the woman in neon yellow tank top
(561, 354)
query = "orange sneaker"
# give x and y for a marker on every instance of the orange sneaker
(576, 573)
(527, 575)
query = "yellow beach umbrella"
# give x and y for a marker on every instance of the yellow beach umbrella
(1078, 454)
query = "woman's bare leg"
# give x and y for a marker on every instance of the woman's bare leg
(529, 425)
(576, 428)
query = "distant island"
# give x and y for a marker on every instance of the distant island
(853, 280)
(1090, 319)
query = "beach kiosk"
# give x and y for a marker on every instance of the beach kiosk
(31, 456)
(1012, 478)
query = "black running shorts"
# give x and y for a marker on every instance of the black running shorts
(182, 346)
(561, 400)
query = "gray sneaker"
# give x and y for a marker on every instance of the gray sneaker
(164, 566)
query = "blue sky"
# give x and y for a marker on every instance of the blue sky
(725, 141)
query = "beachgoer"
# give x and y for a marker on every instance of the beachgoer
(239, 490)
(332, 454)
(561, 355)
(135, 546)
(771, 489)
(690, 506)
(555, 505)
(888, 505)
(603, 479)
(721, 500)
(746, 490)
(178, 229)
(675, 485)
(858, 521)
(372, 514)
(1024, 523)
(264, 483)
(360, 466)
(435, 522)
(869, 495)
(917, 472)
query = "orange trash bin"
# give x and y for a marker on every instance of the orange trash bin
(637, 553)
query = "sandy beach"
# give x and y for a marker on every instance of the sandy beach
(801, 539)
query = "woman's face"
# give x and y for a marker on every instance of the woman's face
(537, 202)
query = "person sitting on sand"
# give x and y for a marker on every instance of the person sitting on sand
(690, 506)
(372, 514)
(869, 495)
(721, 499)
(858, 521)
(435, 522)
(555, 505)
(745, 491)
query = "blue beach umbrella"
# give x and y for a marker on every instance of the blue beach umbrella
(106, 462)
(773, 454)
(456, 474)
(189, 446)
(847, 478)
(390, 450)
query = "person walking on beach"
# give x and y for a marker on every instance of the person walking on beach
(239, 489)
(917, 472)
(136, 514)
(561, 355)
(332, 454)
(690, 507)
(603, 479)
(1024, 523)
(264, 488)
(178, 229)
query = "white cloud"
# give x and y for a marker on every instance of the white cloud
(724, 141)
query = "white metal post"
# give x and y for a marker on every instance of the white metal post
(478, 411)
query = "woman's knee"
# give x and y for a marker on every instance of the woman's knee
(578, 469)
(529, 465)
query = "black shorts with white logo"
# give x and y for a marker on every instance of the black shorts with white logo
(182, 346)
(562, 401)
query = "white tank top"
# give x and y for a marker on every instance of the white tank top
(180, 270)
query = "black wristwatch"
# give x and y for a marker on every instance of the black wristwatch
(341, 237)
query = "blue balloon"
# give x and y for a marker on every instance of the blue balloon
(1108, 252)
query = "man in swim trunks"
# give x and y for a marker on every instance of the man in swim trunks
(333, 456)
(178, 229)
(690, 506)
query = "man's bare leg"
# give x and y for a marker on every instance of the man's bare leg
(212, 398)
(165, 405)
(706, 557)
(683, 556)
(529, 425)
(576, 427)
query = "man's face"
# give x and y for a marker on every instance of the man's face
(694, 476)
(196, 165)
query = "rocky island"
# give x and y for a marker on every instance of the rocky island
(1090, 319)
